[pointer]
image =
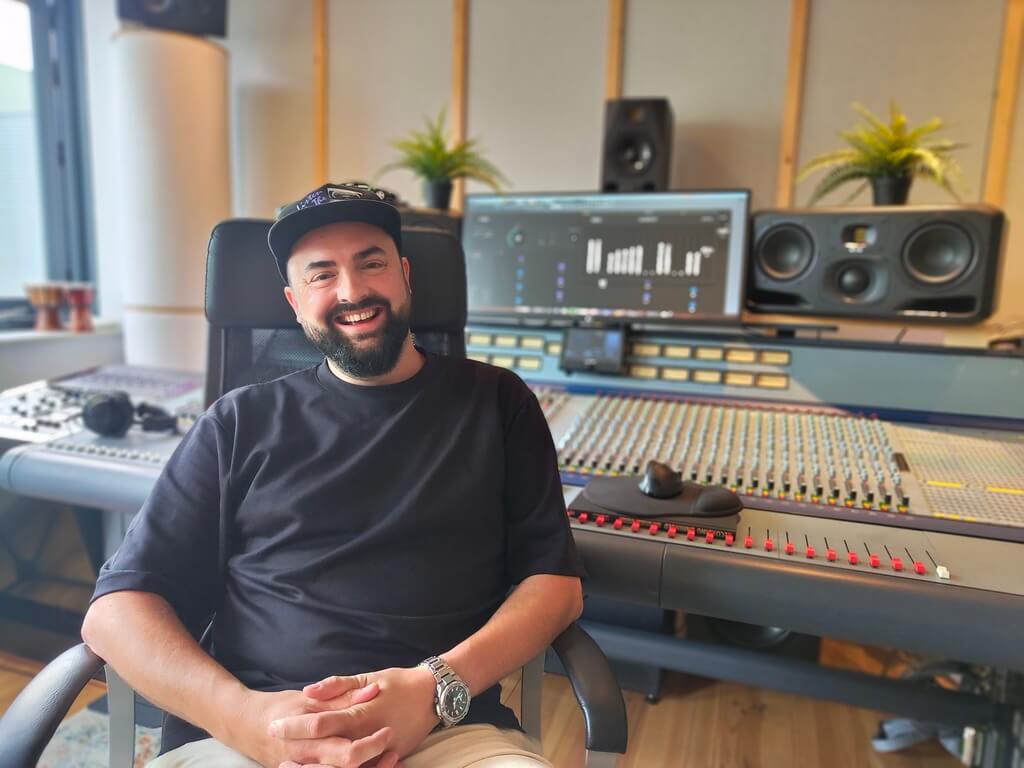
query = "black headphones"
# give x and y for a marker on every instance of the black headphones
(111, 414)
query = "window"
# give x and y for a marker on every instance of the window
(45, 207)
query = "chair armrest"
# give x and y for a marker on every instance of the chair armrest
(28, 725)
(596, 689)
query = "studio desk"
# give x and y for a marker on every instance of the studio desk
(883, 492)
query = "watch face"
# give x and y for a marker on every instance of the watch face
(455, 702)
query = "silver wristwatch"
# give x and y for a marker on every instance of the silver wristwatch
(451, 699)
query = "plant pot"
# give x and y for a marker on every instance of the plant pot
(890, 190)
(437, 194)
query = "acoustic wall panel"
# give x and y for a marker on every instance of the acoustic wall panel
(934, 57)
(271, 103)
(536, 90)
(723, 67)
(389, 65)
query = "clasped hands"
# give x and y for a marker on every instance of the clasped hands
(371, 719)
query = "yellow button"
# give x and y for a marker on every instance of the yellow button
(529, 363)
(771, 357)
(739, 379)
(709, 353)
(740, 355)
(555, 348)
(676, 351)
(643, 371)
(503, 361)
(675, 374)
(999, 489)
(773, 380)
(646, 350)
(479, 358)
(532, 342)
(480, 339)
(707, 377)
(505, 341)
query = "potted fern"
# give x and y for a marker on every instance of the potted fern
(426, 153)
(888, 156)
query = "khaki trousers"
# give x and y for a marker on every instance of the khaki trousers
(464, 746)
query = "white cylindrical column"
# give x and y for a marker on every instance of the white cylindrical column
(171, 118)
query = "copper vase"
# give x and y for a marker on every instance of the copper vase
(79, 297)
(45, 298)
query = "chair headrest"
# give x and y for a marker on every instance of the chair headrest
(244, 290)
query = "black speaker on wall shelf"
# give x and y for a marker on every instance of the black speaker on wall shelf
(929, 263)
(193, 17)
(637, 154)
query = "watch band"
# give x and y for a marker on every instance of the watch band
(443, 673)
(444, 676)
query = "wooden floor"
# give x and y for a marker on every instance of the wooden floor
(697, 723)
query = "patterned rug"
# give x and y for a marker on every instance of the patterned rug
(81, 742)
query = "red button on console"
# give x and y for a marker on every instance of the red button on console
(672, 531)
(690, 534)
(654, 528)
(851, 557)
(617, 524)
(709, 537)
(748, 542)
(600, 519)
(918, 567)
(874, 560)
(769, 545)
(729, 539)
(897, 564)
(635, 527)
(583, 517)
(831, 555)
(809, 552)
(790, 549)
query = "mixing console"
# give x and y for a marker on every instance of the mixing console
(808, 460)
(48, 410)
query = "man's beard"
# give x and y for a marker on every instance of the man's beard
(368, 360)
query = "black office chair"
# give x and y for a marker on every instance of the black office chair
(253, 337)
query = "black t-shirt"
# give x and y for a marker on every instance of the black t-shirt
(333, 529)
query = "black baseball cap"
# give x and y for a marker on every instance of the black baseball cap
(330, 204)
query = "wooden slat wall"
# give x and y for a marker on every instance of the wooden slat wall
(320, 91)
(791, 106)
(1003, 107)
(616, 41)
(460, 71)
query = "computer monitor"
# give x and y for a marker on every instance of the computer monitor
(624, 258)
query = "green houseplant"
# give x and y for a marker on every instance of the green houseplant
(428, 155)
(888, 156)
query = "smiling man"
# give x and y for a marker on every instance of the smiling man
(378, 539)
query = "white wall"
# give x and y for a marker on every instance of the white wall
(722, 66)
(271, 92)
(536, 90)
(934, 57)
(389, 64)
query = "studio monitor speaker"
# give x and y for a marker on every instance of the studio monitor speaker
(898, 263)
(194, 17)
(637, 154)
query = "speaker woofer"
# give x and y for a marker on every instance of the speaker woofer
(785, 253)
(938, 253)
(853, 281)
(634, 155)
